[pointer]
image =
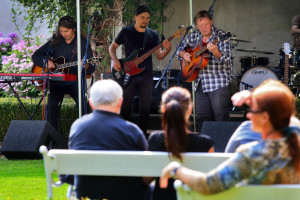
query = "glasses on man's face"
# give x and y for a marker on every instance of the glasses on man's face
(249, 110)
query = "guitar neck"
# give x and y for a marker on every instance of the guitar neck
(205, 48)
(286, 70)
(150, 52)
(70, 64)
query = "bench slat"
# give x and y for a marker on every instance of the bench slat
(249, 192)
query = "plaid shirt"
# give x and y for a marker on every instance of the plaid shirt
(217, 73)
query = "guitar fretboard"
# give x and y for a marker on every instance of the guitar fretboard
(198, 53)
(150, 52)
(286, 70)
(70, 64)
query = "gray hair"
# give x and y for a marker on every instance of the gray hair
(105, 92)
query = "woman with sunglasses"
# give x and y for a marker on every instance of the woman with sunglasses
(274, 160)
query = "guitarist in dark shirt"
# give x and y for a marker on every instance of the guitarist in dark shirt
(64, 44)
(133, 38)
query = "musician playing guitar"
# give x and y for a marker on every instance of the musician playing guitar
(213, 77)
(63, 45)
(133, 38)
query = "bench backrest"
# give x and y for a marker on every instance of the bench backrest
(119, 163)
(123, 163)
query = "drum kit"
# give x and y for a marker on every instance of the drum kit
(255, 70)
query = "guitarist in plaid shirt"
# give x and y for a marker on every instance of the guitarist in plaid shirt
(212, 84)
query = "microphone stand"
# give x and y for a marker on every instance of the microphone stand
(170, 61)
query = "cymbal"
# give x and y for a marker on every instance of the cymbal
(239, 40)
(254, 51)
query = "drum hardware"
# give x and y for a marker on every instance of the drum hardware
(235, 42)
(254, 51)
(254, 60)
(238, 40)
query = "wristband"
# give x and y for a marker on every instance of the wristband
(173, 172)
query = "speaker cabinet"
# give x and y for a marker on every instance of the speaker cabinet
(24, 138)
(220, 132)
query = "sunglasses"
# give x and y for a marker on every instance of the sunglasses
(254, 111)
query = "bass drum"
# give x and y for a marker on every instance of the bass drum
(255, 76)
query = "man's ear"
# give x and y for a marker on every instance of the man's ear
(119, 105)
(91, 104)
(190, 109)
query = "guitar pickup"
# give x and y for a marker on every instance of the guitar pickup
(117, 75)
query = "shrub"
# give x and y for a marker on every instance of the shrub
(19, 61)
(12, 110)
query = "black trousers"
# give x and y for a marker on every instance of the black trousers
(212, 106)
(57, 93)
(142, 85)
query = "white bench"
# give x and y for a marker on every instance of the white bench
(248, 192)
(150, 164)
(119, 163)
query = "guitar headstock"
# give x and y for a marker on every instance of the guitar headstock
(225, 36)
(286, 48)
(179, 33)
(95, 60)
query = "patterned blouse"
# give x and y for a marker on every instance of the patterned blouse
(265, 162)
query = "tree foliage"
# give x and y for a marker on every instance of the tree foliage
(97, 16)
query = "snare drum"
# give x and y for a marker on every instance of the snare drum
(255, 76)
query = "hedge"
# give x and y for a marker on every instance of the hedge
(10, 109)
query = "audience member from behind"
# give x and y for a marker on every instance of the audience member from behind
(274, 160)
(103, 129)
(176, 138)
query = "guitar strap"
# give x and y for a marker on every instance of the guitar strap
(146, 38)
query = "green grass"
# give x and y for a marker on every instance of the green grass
(25, 180)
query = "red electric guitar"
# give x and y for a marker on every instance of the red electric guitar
(129, 65)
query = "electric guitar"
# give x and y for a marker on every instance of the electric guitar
(199, 59)
(60, 67)
(129, 65)
(286, 49)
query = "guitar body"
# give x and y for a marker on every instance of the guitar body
(128, 68)
(190, 70)
(60, 67)
(58, 61)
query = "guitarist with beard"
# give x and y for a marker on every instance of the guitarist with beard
(136, 37)
(212, 84)
(63, 44)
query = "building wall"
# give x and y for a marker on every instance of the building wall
(7, 26)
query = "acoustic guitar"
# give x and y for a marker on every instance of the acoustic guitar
(199, 59)
(129, 65)
(60, 67)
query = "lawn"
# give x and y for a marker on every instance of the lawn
(25, 180)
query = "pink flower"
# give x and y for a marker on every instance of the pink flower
(12, 35)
